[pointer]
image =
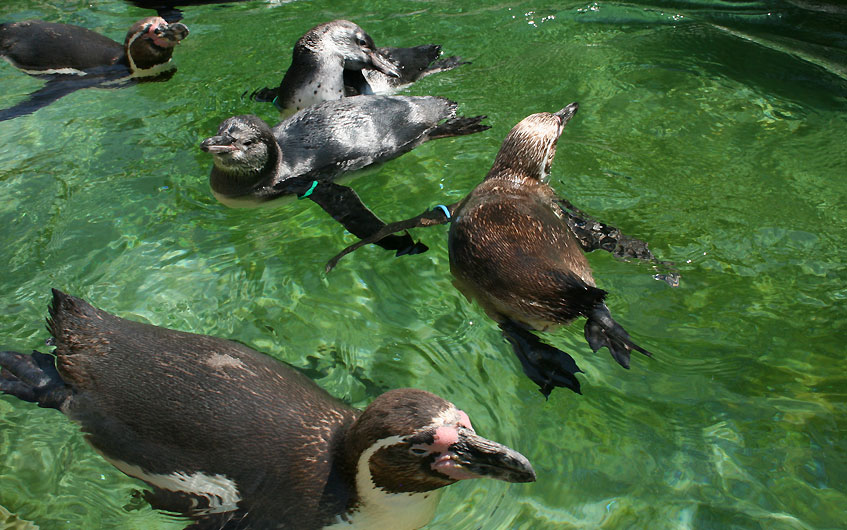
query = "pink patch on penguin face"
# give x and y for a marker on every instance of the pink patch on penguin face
(444, 437)
(157, 23)
(464, 420)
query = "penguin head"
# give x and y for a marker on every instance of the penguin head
(410, 441)
(150, 42)
(530, 146)
(349, 43)
(244, 146)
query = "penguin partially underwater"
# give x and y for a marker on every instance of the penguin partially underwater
(303, 155)
(72, 57)
(517, 249)
(231, 438)
(338, 59)
(168, 9)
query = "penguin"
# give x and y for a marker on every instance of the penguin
(254, 164)
(167, 9)
(512, 251)
(338, 59)
(72, 57)
(517, 249)
(231, 438)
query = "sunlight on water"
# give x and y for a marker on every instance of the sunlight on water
(712, 129)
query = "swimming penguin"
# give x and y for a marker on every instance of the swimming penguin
(167, 9)
(232, 438)
(254, 164)
(339, 59)
(73, 57)
(513, 247)
(512, 251)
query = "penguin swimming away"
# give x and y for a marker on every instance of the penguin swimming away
(167, 9)
(73, 57)
(301, 156)
(338, 59)
(232, 438)
(512, 248)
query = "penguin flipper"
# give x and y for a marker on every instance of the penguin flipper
(601, 330)
(547, 366)
(431, 217)
(592, 235)
(52, 91)
(34, 378)
(345, 206)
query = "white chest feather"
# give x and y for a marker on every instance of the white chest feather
(221, 492)
(380, 510)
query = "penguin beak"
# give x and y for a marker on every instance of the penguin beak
(170, 34)
(476, 457)
(567, 113)
(218, 144)
(383, 64)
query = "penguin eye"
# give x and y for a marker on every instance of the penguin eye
(247, 143)
(418, 450)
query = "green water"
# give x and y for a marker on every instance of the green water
(715, 130)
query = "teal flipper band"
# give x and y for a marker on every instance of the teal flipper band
(443, 209)
(309, 191)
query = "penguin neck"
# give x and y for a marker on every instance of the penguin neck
(311, 79)
(373, 507)
(239, 188)
(515, 178)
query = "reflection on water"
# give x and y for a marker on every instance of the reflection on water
(712, 129)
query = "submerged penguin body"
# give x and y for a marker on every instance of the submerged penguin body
(228, 436)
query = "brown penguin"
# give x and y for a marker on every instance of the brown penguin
(232, 438)
(517, 249)
(512, 251)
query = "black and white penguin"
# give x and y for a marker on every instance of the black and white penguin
(167, 9)
(254, 164)
(517, 249)
(232, 438)
(72, 57)
(338, 59)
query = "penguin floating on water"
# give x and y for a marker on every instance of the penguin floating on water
(167, 9)
(515, 248)
(301, 156)
(232, 438)
(339, 59)
(72, 57)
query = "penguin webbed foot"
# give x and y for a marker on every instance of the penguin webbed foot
(33, 378)
(547, 366)
(601, 330)
(404, 245)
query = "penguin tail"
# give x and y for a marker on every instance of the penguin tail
(547, 366)
(459, 126)
(602, 330)
(34, 378)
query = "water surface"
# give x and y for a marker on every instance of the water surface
(715, 130)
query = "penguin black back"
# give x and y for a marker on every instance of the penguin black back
(235, 439)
